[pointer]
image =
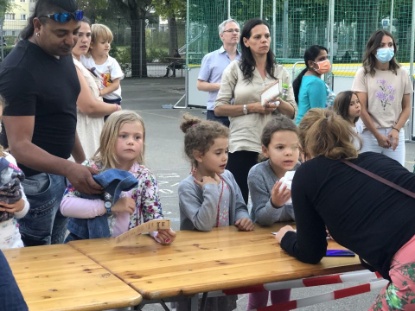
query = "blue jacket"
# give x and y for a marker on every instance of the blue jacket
(114, 181)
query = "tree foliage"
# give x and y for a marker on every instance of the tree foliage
(135, 11)
(94, 9)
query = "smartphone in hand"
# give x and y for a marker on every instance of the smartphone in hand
(339, 253)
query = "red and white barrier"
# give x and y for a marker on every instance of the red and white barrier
(326, 297)
(357, 276)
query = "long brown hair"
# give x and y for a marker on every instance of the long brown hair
(369, 58)
(342, 103)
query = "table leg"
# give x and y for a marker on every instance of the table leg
(194, 303)
(203, 301)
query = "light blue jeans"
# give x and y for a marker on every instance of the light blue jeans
(370, 143)
(44, 223)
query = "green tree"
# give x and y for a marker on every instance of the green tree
(135, 12)
(95, 9)
(171, 10)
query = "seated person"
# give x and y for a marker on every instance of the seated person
(175, 64)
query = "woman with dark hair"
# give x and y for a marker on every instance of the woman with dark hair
(91, 108)
(310, 90)
(329, 191)
(384, 90)
(239, 98)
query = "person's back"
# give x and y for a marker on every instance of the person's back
(340, 191)
(357, 216)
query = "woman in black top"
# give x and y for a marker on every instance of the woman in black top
(372, 219)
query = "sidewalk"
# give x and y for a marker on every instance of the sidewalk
(165, 157)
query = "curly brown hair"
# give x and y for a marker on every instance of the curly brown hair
(200, 135)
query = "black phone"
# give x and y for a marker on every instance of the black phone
(339, 253)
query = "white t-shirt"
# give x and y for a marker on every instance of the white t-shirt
(108, 71)
(385, 91)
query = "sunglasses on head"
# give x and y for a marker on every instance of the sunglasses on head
(65, 17)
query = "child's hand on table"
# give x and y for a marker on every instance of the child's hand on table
(244, 224)
(165, 236)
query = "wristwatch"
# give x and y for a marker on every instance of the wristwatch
(108, 202)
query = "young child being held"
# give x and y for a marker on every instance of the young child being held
(271, 197)
(122, 145)
(347, 105)
(13, 201)
(210, 196)
(102, 65)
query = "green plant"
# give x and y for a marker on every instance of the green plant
(157, 55)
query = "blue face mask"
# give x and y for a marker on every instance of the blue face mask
(384, 55)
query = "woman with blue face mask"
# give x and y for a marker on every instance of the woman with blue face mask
(384, 90)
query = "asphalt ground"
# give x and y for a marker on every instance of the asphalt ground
(153, 99)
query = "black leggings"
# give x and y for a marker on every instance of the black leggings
(239, 164)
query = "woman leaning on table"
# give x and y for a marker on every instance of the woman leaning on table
(326, 192)
(239, 98)
(384, 90)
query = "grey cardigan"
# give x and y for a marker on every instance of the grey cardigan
(198, 206)
(261, 179)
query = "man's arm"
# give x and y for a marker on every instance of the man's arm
(78, 152)
(207, 86)
(20, 132)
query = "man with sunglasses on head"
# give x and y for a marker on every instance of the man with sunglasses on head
(214, 63)
(40, 85)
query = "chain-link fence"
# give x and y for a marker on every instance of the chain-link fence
(343, 26)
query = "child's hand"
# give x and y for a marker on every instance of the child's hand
(205, 179)
(124, 204)
(244, 224)
(13, 207)
(280, 195)
(165, 236)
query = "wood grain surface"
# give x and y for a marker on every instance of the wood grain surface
(206, 261)
(58, 277)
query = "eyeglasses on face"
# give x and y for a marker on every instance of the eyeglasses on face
(66, 16)
(232, 30)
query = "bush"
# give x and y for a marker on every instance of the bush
(155, 55)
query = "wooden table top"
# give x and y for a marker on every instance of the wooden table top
(58, 277)
(197, 262)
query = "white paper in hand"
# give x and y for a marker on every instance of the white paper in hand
(287, 180)
(270, 93)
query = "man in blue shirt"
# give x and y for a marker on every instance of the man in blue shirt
(214, 63)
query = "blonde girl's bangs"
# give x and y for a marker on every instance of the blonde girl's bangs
(109, 135)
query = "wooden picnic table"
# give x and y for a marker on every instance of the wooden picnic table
(58, 277)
